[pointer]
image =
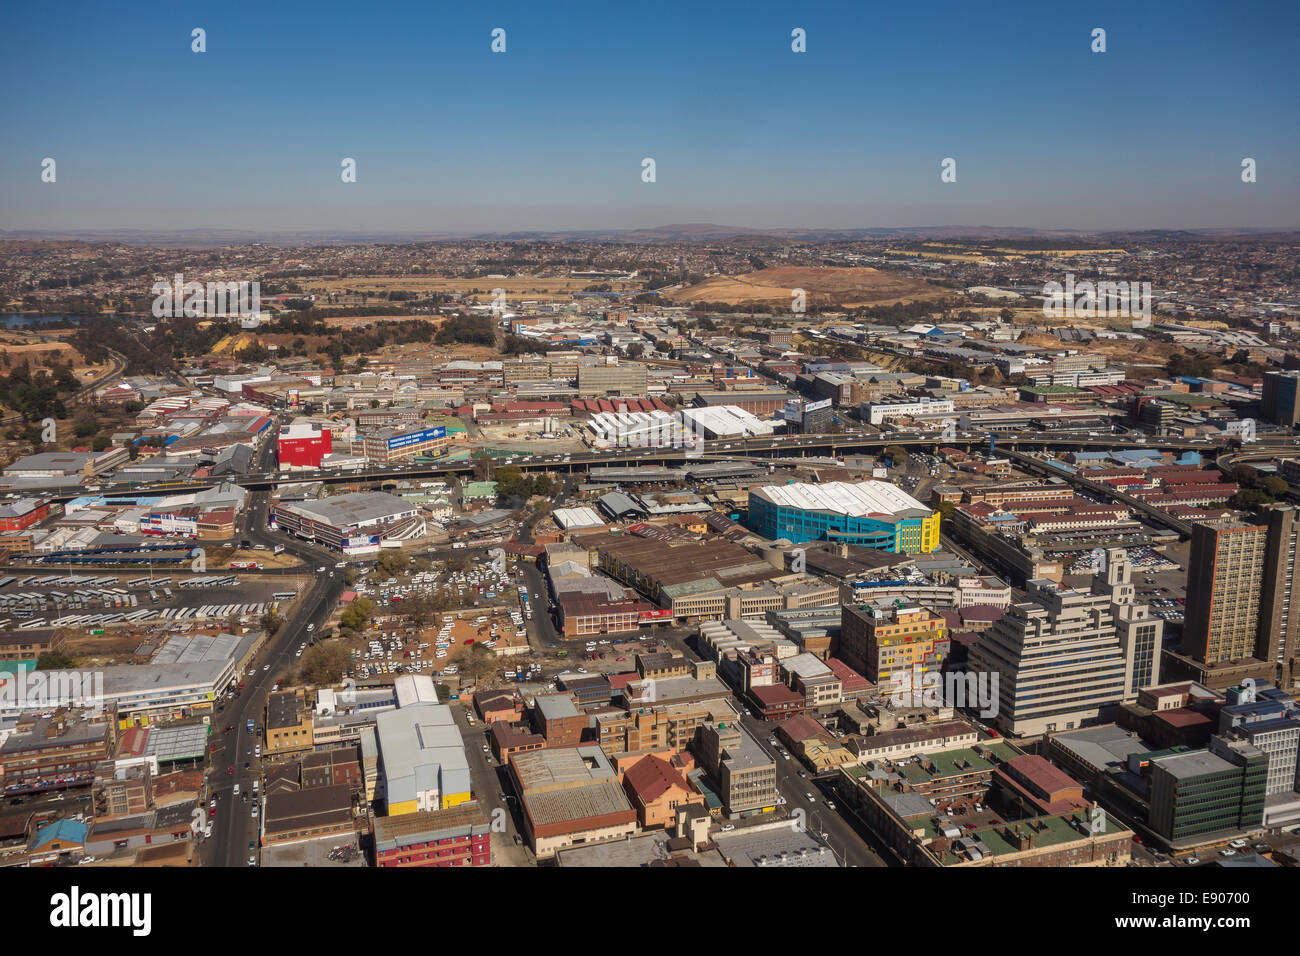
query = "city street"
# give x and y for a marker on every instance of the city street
(834, 828)
(234, 825)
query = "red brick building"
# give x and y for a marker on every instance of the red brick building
(458, 836)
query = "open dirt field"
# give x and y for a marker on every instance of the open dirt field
(840, 287)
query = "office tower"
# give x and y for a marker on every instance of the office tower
(1280, 402)
(1208, 791)
(1267, 719)
(1058, 659)
(1225, 577)
(1140, 635)
(1278, 634)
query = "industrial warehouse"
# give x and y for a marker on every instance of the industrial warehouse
(353, 523)
(873, 514)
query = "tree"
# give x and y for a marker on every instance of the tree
(895, 453)
(270, 622)
(482, 462)
(636, 350)
(325, 663)
(358, 613)
(85, 426)
(54, 661)
(478, 660)
(1248, 498)
(1276, 485)
(945, 510)
(1245, 475)
(393, 563)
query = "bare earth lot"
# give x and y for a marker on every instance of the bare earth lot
(839, 287)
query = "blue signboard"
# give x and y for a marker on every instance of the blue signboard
(416, 438)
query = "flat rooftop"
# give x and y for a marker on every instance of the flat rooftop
(857, 499)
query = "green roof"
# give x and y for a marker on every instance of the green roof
(945, 763)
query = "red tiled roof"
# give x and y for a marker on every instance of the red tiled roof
(803, 727)
(651, 777)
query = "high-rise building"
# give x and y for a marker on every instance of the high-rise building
(1278, 632)
(1280, 402)
(1058, 659)
(1140, 635)
(1268, 719)
(1225, 575)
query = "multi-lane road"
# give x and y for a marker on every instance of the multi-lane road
(235, 760)
(752, 448)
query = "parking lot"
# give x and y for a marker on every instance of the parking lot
(89, 602)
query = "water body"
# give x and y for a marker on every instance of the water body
(17, 320)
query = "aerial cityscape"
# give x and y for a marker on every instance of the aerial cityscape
(660, 510)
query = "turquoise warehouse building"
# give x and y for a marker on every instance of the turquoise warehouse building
(872, 514)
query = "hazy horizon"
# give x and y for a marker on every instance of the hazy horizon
(450, 138)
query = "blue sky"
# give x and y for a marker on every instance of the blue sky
(550, 135)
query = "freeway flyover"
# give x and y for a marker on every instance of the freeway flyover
(766, 447)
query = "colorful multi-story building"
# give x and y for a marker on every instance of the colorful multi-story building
(892, 645)
(872, 514)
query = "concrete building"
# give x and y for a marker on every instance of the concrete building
(1199, 793)
(1280, 401)
(1278, 633)
(353, 523)
(744, 773)
(657, 789)
(388, 445)
(303, 445)
(892, 646)
(1140, 635)
(1058, 659)
(1226, 580)
(459, 836)
(626, 379)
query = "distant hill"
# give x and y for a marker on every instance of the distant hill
(676, 232)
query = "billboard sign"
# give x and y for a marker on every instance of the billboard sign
(416, 438)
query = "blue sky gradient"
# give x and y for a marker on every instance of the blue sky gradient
(550, 135)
